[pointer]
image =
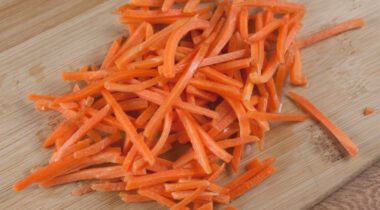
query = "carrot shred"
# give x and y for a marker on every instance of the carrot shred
(184, 94)
(368, 111)
(335, 30)
(343, 139)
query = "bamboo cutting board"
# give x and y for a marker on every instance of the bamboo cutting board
(39, 39)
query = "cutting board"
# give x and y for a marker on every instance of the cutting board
(39, 39)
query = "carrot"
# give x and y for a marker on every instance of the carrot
(86, 174)
(332, 31)
(296, 76)
(97, 147)
(264, 174)
(248, 175)
(275, 6)
(218, 88)
(223, 77)
(129, 128)
(176, 91)
(133, 198)
(226, 32)
(173, 41)
(108, 186)
(368, 111)
(195, 139)
(133, 87)
(267, 29)
(111, 53)
(157, 178)
(343, 139)
(276, 116)
(88, 125)
(139, 49)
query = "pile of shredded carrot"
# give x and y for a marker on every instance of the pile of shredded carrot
(177, 100)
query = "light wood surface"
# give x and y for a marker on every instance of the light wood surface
(361, 193)
(40, 38)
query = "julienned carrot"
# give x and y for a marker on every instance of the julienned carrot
(133, 87)
(343, 139)
(132, 198)
(97, 147)
(196, 141)
(224, 80)
(275, 6)
(276, 116)
(87, 126)
(340, 28)
(176, 91)
(87, 174)
(227, 30)
(247, 175)
(264, 174)
(108, 186)
(269, 28)
(60, 167)
(129, 128)
(173, 41)
(159, 177)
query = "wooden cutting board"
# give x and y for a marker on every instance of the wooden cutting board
(39, 39)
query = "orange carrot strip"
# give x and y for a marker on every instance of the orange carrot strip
(335, 30)
(206, 206)
(226, 32)
(267, 29)
(190, 5)
(108, 186)
(133, 198)
(158, 99)
(214, 20)
(155, 196)
(109, 172)
(173, 40)
(152, 125)
(59, 131)
(164, 135)
(201, 94)
(133, 87)
(344, 140)
(76, 147)
(133, 104)
(275, 6)
(108, 60)
(146, 64)
(186, 185)
(97, 147)
(277, 116)
(145, 115)
(245, 130)
(243, 23)
(268, 71)
(281, 40)
(195, 140)
(92, 75)
(218, 88)
(256, 180)
(296, 76)
(87, 126)
(156, 178)
(62, 166)
(248, 175)
(129, 128)
(167, 4)
(140, 49)
(233, 65)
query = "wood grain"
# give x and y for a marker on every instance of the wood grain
(343, 74)
(361, 193)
